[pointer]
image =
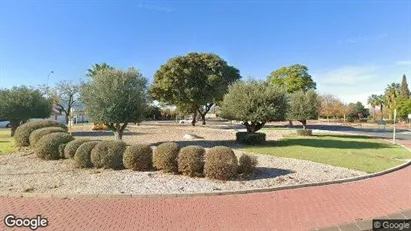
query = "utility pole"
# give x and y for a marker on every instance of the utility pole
(393, 135)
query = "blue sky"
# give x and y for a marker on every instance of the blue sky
(352, 48)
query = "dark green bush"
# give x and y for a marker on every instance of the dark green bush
(22, 135)
(47, 147)
(83, 154)
(250, 138)
(38, 133)
(165, 157)
(221, 163)
(138, 157)
(191, 160)
(247, 164)
(61, 150)
(108, 154)
(72, 147)
(304, 132)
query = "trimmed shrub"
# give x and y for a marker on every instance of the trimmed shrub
(22, 135)
(191, 160)
(108, 154)
(38, 133)
(247, 164)
(47, 147)
(61, 150)
(72, 147)
(305, 132)
(250, 138)
(165, 157)
(221, 163)
(83, 154)
(138, 157)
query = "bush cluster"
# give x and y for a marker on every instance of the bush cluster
(250, 138)
(138, 157)
(165, 157)
(82, 157)
(247, 164)
(23, 132)
(71, 148)
(221, 163)
(191, 160)
(38, 133)
(305, 132)
(48, 146)
(108, 154)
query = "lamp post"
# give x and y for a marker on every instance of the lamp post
(48, 77)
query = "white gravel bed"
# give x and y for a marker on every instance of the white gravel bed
(26, 173)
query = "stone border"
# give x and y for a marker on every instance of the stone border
(222, 193)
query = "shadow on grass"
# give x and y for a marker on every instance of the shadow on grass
(102, 133)
(264, 173)
(204, 143)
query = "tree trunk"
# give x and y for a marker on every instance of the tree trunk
(203, 119)
(304, 123)
(203, 113)
(382, 114)
(118, 135)
(193, 122)
(13, 124)
(254, 126)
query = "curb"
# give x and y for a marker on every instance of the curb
(222, 193)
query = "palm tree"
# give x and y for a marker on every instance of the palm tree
(97, 68)
(380, 101)
(391, 93)
(373, 102)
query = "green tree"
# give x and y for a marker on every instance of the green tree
(380, 102)
(115, 98)
(254, 103)
(64, 95)
(153, 112)
(303, 106)
(404, 90)
(373, 101)
(293, 78)
(194, 83)
(19, 104)
(96, 68)
(403, 107)
(392, 91)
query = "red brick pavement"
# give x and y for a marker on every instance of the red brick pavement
(298, 209)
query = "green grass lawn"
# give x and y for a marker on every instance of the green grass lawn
(354, 152)
(6, 142)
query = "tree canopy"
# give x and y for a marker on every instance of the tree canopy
(96, 68)
(404, 90)
(20, 104)
(293, 78)
(115, 98)
(303, 106)
(64, 95)
(254, 103)
(194, 82)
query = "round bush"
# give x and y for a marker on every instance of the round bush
(72, 147)
(61, 150)
(305, 132)
(108, 154)
(48, 146)
(191, 160)
(138, 157)
(38, 133)
(83, 154)
(165, 157)
(247, 164)
(250, 138)
(221, 163)
(22, 134)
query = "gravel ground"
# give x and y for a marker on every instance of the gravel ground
(22, 172)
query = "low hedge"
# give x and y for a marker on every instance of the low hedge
(247, 164)
(82, 157)
(165, 157)
(71, 148)
(108, 154)
(38, 133)
(191, 160)
(138, 157)
(305, 132)
(221, 163)
(49, 145)
(250, 138)
(23, 132)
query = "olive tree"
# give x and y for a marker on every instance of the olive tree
(115, 98)
(303, 106)
(20, 104)
(254, 103)
(193, 83)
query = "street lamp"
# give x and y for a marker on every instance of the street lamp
(48, 77)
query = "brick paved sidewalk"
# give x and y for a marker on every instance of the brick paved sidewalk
(287, 210)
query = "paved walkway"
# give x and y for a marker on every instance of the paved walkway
(299, 209)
